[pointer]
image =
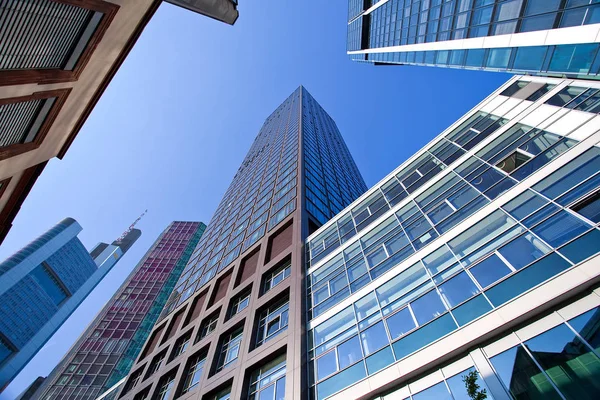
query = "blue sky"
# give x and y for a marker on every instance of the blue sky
(177, 119)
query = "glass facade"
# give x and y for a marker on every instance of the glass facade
(558, 363)
(105, 352)
(453, 235)
(407, 31)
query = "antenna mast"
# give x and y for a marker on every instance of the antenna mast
(131, 227)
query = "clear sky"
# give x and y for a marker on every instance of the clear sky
(173, 126)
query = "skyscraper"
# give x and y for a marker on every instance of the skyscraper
(42, 284)
(537, 37)
(483, 257)
(104, 353)
(56, 59)
(236, 316)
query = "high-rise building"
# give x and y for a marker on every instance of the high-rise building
(235, 323)
(42, 284)
(483, 256)
(56, 59)
(538, 37)
(104, 353)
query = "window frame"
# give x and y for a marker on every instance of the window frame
(57, 75)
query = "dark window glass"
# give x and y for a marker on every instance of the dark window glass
(588, 326)
(571, 365)
(582, 247)
(521, 376)
(589, 208)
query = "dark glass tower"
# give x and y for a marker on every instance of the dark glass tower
(42, 284)
(538, 37)
(104, 353)
(237, 314)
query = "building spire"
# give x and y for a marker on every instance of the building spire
(131, 227)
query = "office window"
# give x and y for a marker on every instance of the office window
(181, 345)
(134, 379)
(208, 326)
(229, 348)
(143, 395)
(239, 302)
(156, 363)
(193, 372)
(274, 277)
(513, 161)
(165, 387)
(268, 382)
(224, 394)
(589, 207)
(273, 321)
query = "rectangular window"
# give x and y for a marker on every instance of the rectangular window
(268, 382)
(230, 348)
(181, 345)
(208, 325)
(156, 363)
(272, 322)
(276, 276)
(165, 387)
(193, 372)
(239, 302)
(68, 32)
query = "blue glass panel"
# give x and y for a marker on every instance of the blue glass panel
(571, 365)
(428, 307)
(439, 260)
(579, 191)
(498, 58)
(379, 360)
(374, 338)
(400, 323)
(571, 174)
(560, 228)
(472, 309)
(49, 284)
(523, 250)
(5, 352)
(500, 188)
(521, 376)
(588, 326)
(436, 392)
(490, 270)
(326, 365)
(337, 382)
(527, 278)
(461, 214)
(583, 247)
(540, 215)
(458, 389)
(349, 352)
(530, 58)
(524, 204)
(573, 58)
(424, 336)
(458, 289)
